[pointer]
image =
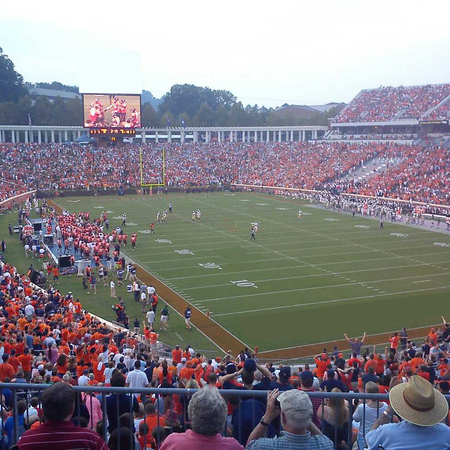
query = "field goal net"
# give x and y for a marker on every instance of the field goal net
(152, 162)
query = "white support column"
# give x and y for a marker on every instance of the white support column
(292, 136)
(13, 136)
(314, 134)
(52, 136)
(31, 135)
(143, 136)
(26, 136)
(256, 136)
(231, 136)
(267, 136)
(169, 137)
(39, 137)
(79, 134)
(156, 137)
(45, 136)
(195, 136)
(59, 136)
(303, 135)
(66, 135)
(182, 137)
(279, 136)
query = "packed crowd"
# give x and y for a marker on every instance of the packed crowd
(442, 112)
(387, 103)
(47, 338)
(422, 176)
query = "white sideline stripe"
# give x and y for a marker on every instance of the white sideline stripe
(421, 281)
(329, 342)
(324, 275)
(339, 300)
(179, 336)
(295, 267)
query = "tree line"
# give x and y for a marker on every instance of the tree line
(184, 105)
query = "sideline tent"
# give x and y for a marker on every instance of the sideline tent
(84, 139)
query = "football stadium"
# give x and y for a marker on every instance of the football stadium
(187, 272)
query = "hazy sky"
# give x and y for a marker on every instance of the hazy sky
(266, 53)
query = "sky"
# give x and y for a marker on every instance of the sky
(265, 53)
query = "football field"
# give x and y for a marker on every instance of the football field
(301, 281)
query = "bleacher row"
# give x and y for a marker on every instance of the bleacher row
(422, 176)
(386, 103)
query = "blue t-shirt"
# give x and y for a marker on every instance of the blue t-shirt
(405, 435)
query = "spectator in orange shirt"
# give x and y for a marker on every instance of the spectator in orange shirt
(322, 362)
(6, 369)
(152, 420)
(176, 355)
(25, 361)
(394, 339)
(432, 336)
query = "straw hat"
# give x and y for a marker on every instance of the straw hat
(418, 402)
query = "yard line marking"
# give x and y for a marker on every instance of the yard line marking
(338, 300)
(259, 294)
(384, 258)
(303, 276)
(421, 281)
(363, 283)
(179, 337)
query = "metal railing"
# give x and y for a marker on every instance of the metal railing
(117, 400)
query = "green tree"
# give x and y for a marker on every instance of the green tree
(149, 117)
(205, 116)
(11, 82)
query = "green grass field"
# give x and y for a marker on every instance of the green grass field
(302, 281)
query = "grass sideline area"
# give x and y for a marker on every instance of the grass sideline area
(300, 282)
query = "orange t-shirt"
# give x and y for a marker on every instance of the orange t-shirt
(321, 366)
(394, 341)
(25, 361)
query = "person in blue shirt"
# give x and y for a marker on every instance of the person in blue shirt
(9, 424)
(422, 409)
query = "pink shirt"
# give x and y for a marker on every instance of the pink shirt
(194, 441)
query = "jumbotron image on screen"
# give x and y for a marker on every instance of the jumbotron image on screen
(111, 111)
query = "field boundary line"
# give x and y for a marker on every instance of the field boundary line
(310, 350)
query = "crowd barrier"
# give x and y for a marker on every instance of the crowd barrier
(16, 199)
(344, 194)
(26, 392)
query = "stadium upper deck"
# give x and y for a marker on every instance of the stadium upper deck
(396, 104)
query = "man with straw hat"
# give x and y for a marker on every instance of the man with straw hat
(422, 409)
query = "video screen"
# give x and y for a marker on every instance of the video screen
(111, 111)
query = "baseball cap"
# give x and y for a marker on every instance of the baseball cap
(183, 359)
(284, 374)
(231, 368)
(296, 404)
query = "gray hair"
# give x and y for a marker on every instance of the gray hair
(207, 412)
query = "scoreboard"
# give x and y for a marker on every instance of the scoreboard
(112, 114)
(108, 131)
